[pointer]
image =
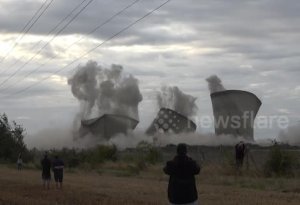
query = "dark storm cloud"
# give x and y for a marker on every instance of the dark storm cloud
(255, 28)
(95, 13)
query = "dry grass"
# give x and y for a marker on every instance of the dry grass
(86, 188)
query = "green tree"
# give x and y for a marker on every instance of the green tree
(280, 162)
(12, 140)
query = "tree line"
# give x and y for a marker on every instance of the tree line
(12, 141)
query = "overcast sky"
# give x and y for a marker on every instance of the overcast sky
(251, 45)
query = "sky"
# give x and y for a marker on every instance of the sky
(251, 45)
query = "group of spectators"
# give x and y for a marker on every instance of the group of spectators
(182, 170)
(57, 166)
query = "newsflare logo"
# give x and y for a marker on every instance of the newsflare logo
(246, 120)
(236, 121)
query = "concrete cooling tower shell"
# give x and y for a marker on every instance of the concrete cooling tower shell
(234, 112)
(109, 125)
(170, 121)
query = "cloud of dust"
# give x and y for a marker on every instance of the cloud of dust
(290, 136)
(102, 90)
(173, 98)
(215, 84)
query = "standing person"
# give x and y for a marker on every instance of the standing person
(182, 170)
(240, 150)
(58, 170)
(19, 162)
(46, 171)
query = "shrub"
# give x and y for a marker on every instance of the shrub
(102, 153)
(148, 153)
(280, 163)
(153, 156)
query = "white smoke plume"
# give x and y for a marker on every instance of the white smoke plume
(104, 91)
(208, 139)
(58, 138)
(132, 140)
(173, 98)
(291, 135)
(215, 84)
(51, 138)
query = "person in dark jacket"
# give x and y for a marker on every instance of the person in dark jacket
(182, 170)
(46, 174)
(240, 150)
(58, 170)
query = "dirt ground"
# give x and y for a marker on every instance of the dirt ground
(24, 188)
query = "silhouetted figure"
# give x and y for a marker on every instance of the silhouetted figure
(182, 186)
(19, 162)
(58, 170)
(240, 150)
(46, 173)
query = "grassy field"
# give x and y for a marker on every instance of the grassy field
(95, 187)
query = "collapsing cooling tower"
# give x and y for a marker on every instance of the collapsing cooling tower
(169, 121)
(108, 125)
(234, 112)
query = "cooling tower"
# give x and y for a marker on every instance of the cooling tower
(108, 125)
(168, 120)
(234, 112)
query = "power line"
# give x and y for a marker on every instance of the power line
(105, 22)
(89, 33)
(50, 32)
(28, 61)
(67, 16)
(22, 34)
(91, 50)
(65, 26)
(20, 37)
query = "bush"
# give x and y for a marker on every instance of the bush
(148, 153)
(280, 163)
(102, 153)
(153, 156)
(93, 156)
